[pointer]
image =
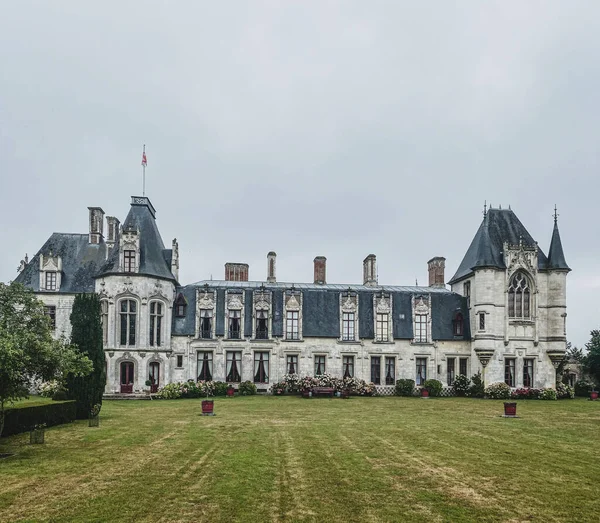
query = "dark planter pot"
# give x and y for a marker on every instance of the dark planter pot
(230, 392)
(94, 421)
(593, 395)
(424, 393)
(153, 389)
(346, 394)
(510, 410)
(36, 436)
(208, 407)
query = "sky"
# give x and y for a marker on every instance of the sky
(306, 127)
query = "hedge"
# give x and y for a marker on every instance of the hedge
(23, 419)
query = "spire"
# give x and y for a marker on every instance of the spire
(556, 256)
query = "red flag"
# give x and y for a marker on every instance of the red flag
(144, 161)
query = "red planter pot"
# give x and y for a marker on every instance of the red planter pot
(424, 393)
(593, 395)
(510, 410)
(208, 407)
(230, 392)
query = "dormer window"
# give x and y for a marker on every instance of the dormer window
(50, 272)
(262, 329)
(51, 281)
(235, 324)
(129, 261)
(458, 323)
(180, 306)
(383, 309)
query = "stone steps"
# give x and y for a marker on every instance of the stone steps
(132, 396)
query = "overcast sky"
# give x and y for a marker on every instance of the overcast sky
(307, 128)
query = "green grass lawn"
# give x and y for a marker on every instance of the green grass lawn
(266, 458)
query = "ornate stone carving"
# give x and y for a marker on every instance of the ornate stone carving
(422, 306)
(207, 301)
(484, 355)
(383, 305)
(234, 301)
(349, 304)
(142, 354)
(521, 256)
(292, 303)
(128, 285)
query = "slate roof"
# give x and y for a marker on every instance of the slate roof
(556, 256)
(80, 263)
(321, 310)
(498, 226)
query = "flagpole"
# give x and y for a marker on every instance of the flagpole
(144, 172)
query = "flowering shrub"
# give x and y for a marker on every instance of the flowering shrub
(548, 394)
(564, 391)
(541, 394)
(278, 388)
(219, 388)
(525, 394)
(461, 385)
(293, 383)
(172, 391)
(498, 391)
(49, 388)
(247, 388)
(434, 387)
(405, 387)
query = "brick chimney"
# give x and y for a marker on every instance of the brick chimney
(236, 271)
(271, 263)
(320, 270)
(370, 270)
(96, 224)
(112, 224)
(436, 268)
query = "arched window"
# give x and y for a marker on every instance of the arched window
(457, 326)
(104, 319)
(156, 319)
(519, 296)
(128, 316)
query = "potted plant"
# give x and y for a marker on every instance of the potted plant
(510, 409)
(230, 390)
(424, 392)
(94, 419)
(36, 435)
(208, 406)
(593, 395)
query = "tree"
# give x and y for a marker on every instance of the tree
(572, 355)
(27, 349)
(591, 362)
(86, 335)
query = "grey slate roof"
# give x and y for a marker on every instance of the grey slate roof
(556, 256)
(321, 308)
(80, 262)
(498, 226)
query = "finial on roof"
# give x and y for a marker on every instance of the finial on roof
(556, 215)
(416, 282)
(500, 207)
(509, 207)
(484, 208)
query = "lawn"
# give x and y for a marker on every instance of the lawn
(267, 458)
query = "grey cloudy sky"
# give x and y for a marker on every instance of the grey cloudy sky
(308, 128)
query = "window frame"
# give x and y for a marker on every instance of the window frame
(467, 292)
(206, 314)
(348, 326)
(204, 356)
(292, 334)
(382, 327)
(421, 365)
(481, 318)
(52, 284)
(520, 296)
(450, 370)
(390, 363)
(155, 325)
(376, 366)
(104, 320)
(50, 311)
(421, 321)
(348, 366)
(321, 358)
(261, 356)
(131, 320)
(179, 359)
(234, 314)
(129, 261)
(234, 360)
(510, 371)
(528, 378)
(464, 361)
(291, 358)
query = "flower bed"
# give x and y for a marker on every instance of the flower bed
(294, 384)
(191, 389)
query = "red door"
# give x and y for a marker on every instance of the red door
(126, 377)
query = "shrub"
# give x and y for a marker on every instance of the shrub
(498, 391)
(434, 387)
(247, 388)
(292, 383)
(24, 419)
(405, 387)
(49, 388)
(220, 388)
(583, 388)
(278, 388)
(60, 395)
(564, 391)
(171, 391)
(547, 394)
(476, 390)
(461, 385)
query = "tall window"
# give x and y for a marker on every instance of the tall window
(156, 318)
(451, 370)
(519, 296)
(509, 371)
(421, 370)
(291, 325)
(348, 366)
(50, 311)
(381, 327)
(528, 372)
(292, 364)
(180, 306)
(129, 261)
(154, 376)
(347, 326)
(205, 365)
(319, 365)
(421, 328)
(262, 329)
(462, 366)
(128, 315)
(390, 370)
(458, 324)
(206, 323)
(376, 370)
(51, 281)
(234, 367)
(235, 324)
(482, 321)
(261, 367)
(104, 319)
(467, 292)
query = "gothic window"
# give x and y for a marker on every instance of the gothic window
(451, 370)
(235, 324)
(104, 319)
(156, 320)
(292, 364)
(509, 371)
(421, 328)
(381, 327)
(261, 367)
(129, 261)
(262, 326)
(528, 372)
(205, 365)
(292, 325)
(462, 366)
(421, 371)
(50, 281)
(319, 365)
(348, 326)
(376, 370)
(180, 306)
(128, 317)
(519, 296)
(50, 311)
(234, 367)
(206, 316)
(458, 324)
(348, 366)
(467, 292)
(390, 370)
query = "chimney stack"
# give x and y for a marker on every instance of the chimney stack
(175, 259)
(112, 225)
(370, 270)
(96, 225)
(436, 268)
(271, 261)
(320, 270)
(236, 271)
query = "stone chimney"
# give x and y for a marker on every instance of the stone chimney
(271, 262)
(175, 259)
(112, 224)
(236, 271)
(96, 224)
(436, 268)
(370, 270)
(320, 270)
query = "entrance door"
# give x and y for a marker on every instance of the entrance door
(126, 377)
(154, 376)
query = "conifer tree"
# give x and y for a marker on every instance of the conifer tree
(86, 336)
